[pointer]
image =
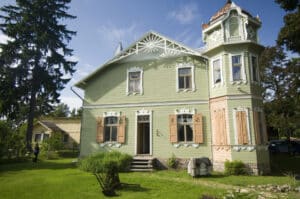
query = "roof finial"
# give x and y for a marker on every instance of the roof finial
(229, 1)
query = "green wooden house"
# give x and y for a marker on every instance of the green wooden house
(158, 97)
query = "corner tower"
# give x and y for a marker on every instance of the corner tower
(236, 109)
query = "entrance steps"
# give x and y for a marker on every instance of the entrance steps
(142, 163)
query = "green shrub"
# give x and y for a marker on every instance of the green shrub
(106, 167)
(235, 167)
(172, 162)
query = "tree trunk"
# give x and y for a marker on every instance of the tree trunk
(30, 119)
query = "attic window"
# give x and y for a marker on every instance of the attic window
(134, 81)
(234, 26)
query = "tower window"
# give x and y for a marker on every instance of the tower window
(217, 77)
(236, 67)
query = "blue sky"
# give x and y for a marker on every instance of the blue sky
(102, 24)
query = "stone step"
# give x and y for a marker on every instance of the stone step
(142, 163)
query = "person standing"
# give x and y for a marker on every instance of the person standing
(36, 152)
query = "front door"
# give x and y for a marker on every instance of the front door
(143, 135)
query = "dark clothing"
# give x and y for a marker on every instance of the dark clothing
(36, 152)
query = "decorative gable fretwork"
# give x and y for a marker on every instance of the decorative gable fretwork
(157, 44)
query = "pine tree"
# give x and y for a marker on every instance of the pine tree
(34, 62)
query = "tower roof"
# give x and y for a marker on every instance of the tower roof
(223, 11)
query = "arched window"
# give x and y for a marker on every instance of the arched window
(234, 26)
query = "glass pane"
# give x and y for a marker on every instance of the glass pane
(181, 82)
(134, 75)
(234, 26)
(143, 118)
(113, 133)
(217, 71)
(188, 118)
(131, 86)
(189, 133)
(236, 60)
(188, 82)
(180, 133)
(37, 137)
(137, 85)
(107, 134)
(184, 71)
(111, 120)
(236, 73)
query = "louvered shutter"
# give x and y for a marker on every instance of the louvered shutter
(100, 130)
(173, 128)
(241, 126)
(122, 129)
(256, 128)
(198, 128)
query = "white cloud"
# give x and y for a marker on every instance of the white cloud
(185, 14)
(113, 34)
(3, 38)
(72, 102)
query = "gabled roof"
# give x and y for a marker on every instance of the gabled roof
(50, 125)
(151, 43)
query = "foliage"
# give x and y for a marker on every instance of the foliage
(106, 168)
(289, 35)
(281, 91)
(12, 143)
(34, 62)
(61, 110)
(50, 146)
(235, 167)
(172, 162)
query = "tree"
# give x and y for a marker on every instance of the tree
(61, 110)
(289, 34)
(280, 77)
(35, 59)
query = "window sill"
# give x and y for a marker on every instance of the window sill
(111, 144)
(217, 85)
(186, 144)
(186, 90)
(238, 82)
(134, 93)
(239, 148)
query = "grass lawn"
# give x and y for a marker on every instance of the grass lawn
(61, 179)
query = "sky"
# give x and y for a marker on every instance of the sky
(102, 24)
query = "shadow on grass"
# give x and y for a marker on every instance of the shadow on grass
(133, 188)
(41, 164)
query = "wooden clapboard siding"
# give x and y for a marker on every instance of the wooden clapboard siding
(100, 130)
(173, 128)
(122, 129)
(198, 128)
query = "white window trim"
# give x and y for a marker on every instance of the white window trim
(135, 69)
(243, 71)
(139, 113)
(251, 69)
(235, 122)
(212, 71)
(113, 143)
(185, 111)
(185, 65)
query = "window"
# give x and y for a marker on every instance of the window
(236, 67)
(185, 128)
(185, 78)
(234, 26)
(38, 137)
(134, 81)
(65, 138)
(217, 76)
(254, 68)
(110, 130)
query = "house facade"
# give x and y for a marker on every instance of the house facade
(158, 97)
(68, 128)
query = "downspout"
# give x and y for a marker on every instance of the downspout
(80, 119)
